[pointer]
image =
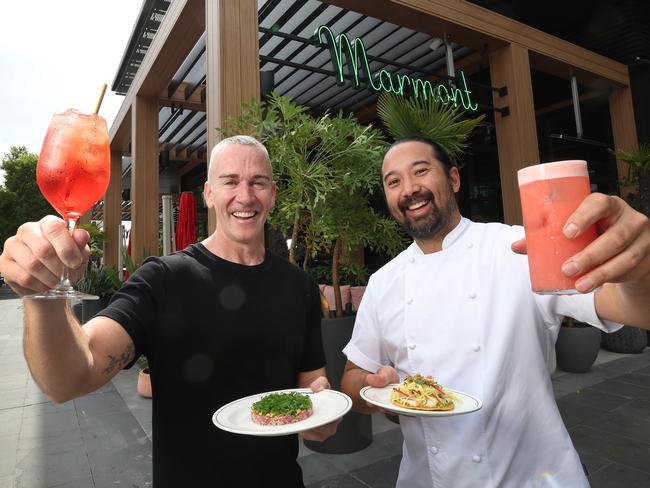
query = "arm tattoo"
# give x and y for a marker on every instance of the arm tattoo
(120, 361)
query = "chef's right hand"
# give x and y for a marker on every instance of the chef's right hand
(34, 258)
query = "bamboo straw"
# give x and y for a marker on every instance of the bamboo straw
(100, 99)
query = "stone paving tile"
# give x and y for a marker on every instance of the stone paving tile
(627, 390)
(574, 413)
(8, 448)
(641, 380)
(619, 476)
(616, 448)
(339, 481)
(594, 463)
(90, 406)
(382, 474)
(597, 399)
(36, 468)
(10, 421)
(7, 482)
(620, 422)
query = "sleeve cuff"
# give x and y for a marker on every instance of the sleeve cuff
(357, 357)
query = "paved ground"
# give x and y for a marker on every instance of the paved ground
(103, 440)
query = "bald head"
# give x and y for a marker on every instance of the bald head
(237, 140)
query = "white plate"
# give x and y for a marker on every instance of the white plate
(465, 403)
(328, 405)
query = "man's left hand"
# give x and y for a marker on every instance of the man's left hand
(324, 431)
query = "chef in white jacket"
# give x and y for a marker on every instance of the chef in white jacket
(457, 303)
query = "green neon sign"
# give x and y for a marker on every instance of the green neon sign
(353, 55)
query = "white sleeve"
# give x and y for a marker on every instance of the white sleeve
(365, 347)
(581, 307)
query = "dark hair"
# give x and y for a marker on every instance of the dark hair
(438, 152)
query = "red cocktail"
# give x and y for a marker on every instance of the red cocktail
(73, 172)
(550, 193)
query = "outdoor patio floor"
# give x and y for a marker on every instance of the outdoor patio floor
(103, 439)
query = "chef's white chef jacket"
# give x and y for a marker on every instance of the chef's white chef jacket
(467, 316)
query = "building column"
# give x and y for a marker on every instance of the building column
(232, 65)
(144, 178)
(621, 112)
(517, 132)
(113, 211)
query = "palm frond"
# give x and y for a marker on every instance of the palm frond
(426, 118)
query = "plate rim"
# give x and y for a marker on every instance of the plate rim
(419, 413)
(290, 429)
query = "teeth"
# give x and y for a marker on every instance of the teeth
(417, 205)
(243, 215)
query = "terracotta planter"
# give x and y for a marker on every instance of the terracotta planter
(144, 383)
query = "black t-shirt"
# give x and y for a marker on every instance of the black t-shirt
(215, 331)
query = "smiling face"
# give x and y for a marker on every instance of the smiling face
(420, 192)
(241, 190)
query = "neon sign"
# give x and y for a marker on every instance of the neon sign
(358, 70)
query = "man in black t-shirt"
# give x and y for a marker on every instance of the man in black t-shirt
(220, 320)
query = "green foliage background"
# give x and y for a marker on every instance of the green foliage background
(20, 199)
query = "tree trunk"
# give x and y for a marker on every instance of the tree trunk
(294, 237)
(336, 255)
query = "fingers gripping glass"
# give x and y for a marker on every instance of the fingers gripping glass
(72, 173)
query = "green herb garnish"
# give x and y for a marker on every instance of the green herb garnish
(282, 404)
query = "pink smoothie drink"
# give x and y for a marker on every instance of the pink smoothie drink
(550, 193)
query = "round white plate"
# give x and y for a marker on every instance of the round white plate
(328, 405)
(465, 403)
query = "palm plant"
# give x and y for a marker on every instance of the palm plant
(426, 118)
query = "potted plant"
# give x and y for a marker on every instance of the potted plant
(631, 340)
(144, 378)
(577, 346)
(98, 280)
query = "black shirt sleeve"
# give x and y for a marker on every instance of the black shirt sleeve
(135, 305)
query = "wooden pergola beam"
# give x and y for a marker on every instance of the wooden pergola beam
(478, 27)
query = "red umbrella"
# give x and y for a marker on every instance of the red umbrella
(186, 225)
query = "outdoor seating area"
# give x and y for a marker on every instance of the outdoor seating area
(103, 440)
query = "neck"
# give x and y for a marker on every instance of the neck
(433, 244)
(248, 254)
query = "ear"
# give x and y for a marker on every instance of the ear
(454, 177)
(273, 192)
(207, 195)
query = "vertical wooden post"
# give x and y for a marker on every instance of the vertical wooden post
(113, 210)
(144, 178)
(621, 112)
(516, 132)
(232, 65)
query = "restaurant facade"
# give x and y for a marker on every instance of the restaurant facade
(190, 64)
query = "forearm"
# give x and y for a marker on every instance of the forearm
(56, 349)
(354, 379)
(627, 303)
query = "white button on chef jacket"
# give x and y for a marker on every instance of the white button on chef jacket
(516, 447)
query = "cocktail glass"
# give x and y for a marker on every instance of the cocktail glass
(550, 193)
(73, 172)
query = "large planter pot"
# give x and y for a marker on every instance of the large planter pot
(90, 308)
(577, 348)
(628, 340)
(355, 430)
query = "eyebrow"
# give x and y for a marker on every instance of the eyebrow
(235, 176)
(417, 162)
